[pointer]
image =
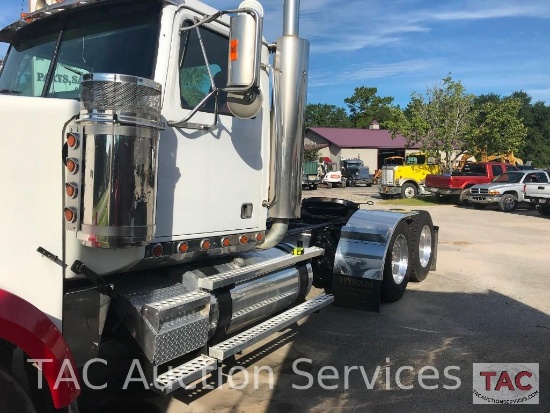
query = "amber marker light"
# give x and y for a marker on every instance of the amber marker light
(243, 239)
(234, 50)
(70, 190)
(183, 247)
(205, 245)
(158, 250)
(259, 237)
(71, 165)
(225, 242)
(70, 214)
(72, 141)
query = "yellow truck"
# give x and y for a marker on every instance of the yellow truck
(407, 179)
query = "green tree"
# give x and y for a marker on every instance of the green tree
(326, 116)
(501, 129)
(439, 121)
(536, 118)
(365, 106)
(311, 153)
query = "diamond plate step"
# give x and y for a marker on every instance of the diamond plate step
(257, 270)
(255, 334)
(187, 373)
(159, 312)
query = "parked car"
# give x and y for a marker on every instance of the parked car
(506, 190)
(457, 184)
(359, 175)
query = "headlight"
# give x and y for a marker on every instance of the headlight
(493, 192)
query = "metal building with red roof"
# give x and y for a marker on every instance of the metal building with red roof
(372, 145)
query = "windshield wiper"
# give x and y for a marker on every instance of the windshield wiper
(10, 92)
(78, 72)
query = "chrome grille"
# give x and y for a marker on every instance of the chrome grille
(387, 175)
(479, 191)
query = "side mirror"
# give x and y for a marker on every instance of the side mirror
(245, 41)
(244, 98)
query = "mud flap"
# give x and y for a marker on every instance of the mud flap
(434, 262)
(356, 292)
(360, 255)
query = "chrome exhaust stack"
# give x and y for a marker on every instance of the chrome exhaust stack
(288, 116)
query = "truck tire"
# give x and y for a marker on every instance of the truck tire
(544, 210)
(409, 191)
(13, 397)
(508, 203)
(397, 268)
(463, 198)
(422, 246)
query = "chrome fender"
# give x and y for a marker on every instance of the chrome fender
(364, 242)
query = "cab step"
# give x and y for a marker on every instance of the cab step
(252, 271)
(181, 376)
(255, 334)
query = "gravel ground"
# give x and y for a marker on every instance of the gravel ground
(487, 302)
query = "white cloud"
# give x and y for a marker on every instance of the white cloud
(358, 72)
(355, 25)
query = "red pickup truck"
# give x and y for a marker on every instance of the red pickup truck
(471, 174)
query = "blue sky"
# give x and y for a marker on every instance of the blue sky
(402, 46)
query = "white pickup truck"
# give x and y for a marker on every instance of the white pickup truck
(506, 190)
(538, 194)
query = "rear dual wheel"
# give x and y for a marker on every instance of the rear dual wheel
(422, 245)
(397, 268)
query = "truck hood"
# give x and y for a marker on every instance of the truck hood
(19, 113)
(500, 186)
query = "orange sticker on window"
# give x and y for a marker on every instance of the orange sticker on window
(234, 50)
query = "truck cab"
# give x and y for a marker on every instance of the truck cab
(109, 110)
(406, 177)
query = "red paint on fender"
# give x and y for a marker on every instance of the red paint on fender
(25, 326)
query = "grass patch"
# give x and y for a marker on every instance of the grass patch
(420, 201)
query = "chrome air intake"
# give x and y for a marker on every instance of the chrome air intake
(126, 99)
(120, 119)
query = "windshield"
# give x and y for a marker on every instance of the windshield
(393, 161)
(416, 160)
(511, 178)
(111, 38)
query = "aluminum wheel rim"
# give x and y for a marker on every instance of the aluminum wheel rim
(400, 259)
(508, 203)
(425, 246)
(409, 192)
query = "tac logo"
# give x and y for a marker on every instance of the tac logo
(506, 383)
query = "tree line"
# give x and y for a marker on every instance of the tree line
(445, 119)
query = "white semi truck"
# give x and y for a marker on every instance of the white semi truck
(114, 229)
